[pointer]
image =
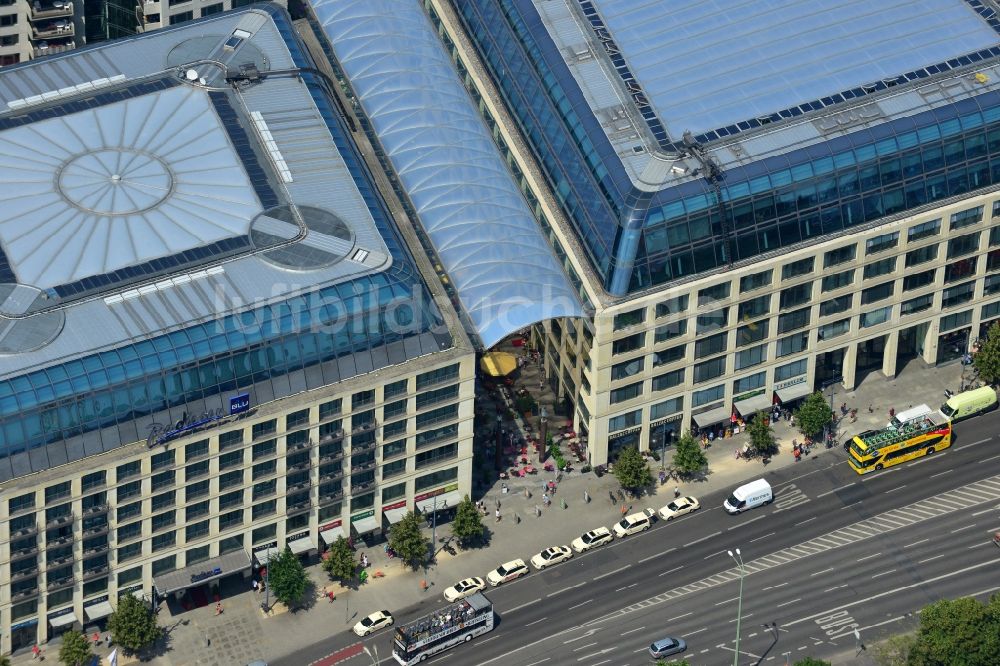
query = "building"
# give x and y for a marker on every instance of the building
(749, 209)
(36, 28)
(215, 339)
(159, 13)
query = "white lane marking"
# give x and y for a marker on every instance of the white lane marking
(867, 557)
(976, 545)
(831, 589)
(947, 471)
(611, 573)
(746, 522)
(653, 557)
(820, 573)
(598, 653)
(763, 537)
(515, 608)
(692, 633)
(928, 559)
(743, 617)
(892, 490)
(584, 647)
(916, 543)
(848, 506)
(807, 520)
(705, 538)
(726, 601)
(721, 552)
(990, 510)
(835, 490)
(565, 589)
(988, 459)
(774, 587)
(540, 661)
(626, 587)
(965, 446)
(598, 663)
(960, 529)
(536, 621)
(632, 631)
(788, 603)
(679, 617)
(584, 603)
(870, 626)
(671, 571)
(884, 573)
(586, 634)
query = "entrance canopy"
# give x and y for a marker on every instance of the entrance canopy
(100, 610)
(393, 516)
(64, 620)
(202, 572)
(330, 535)
(446, 501)
(794, 392)
(365, 525)
(751, 406)
(712, 416)
(303, 545)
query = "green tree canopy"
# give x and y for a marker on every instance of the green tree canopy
(810, 661)
(133, 624)
(813, 415)
(688, 456)
(631, 470)
(958, 632)
(406, 539)
(468, 524)
(761, 437)
(987, 359)
(340, 563)
(287, 577)
(75, 649)
(894, 651)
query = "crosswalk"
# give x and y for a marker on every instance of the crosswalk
(958, 499)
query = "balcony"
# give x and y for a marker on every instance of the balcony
(25, 531)
(22, 574)
(22, 553)
(331, 457)
(59, 540)
(301, 465)
(364, 427)
(301, 485)
(298, 446)
(299, 507)
(332, 475)
(57, 28)
(96, 530)
(363, 467)
(95, 572)
(96, 509)
(59, 583)
(93, 550)
(334, 436)
(24, 594)
(362, 448)
(359, 488)
(59, 562)
(52, 9)
(331, 495)
(65, 519)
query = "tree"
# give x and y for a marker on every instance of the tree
(813, 415)
(688, 456)
(663, 662)
(894, 651)
(4, 660)
(340, 563)
(406, 539)
(75, 649)
(809, 661)
(987, 359)
(468, 524)
(958, 632)
(287, 577)
(631, 470)
(133, 624)
(761, 436)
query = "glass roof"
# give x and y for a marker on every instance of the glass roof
(490, 244)
(705, 64)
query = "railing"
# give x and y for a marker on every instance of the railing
(59, 583)
(95, 549)
(22, 553)
(298, 486)
(363, 467)
(331, 436)
(24, 594)
(361, 448)
(301, 465)
(331, 495)
(22, 574)
(60, 520)
(298, 446)
(95, 572)
(96, 530)
(58, 562)
(96, 509)
(364, 427)
(332, 457)
(332, 475)
(25, 531)
(53, 30)
(41, 12)
(357, 488)
(59, 540)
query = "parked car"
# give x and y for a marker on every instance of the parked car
(550, 556)
(667, 646)
(679, 507)
(464, 588)
(507, 572)
(592, 539)
(373, 623)
(634, 523)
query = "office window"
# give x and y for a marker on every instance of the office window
(395, 389)
(196, 450)
(755, 281)
(714, 344)
(394, 409)
(196, 555)
(628, 344)
(297, 418)
(712, 321)
(752, 332)
(93, 481)
(264, 489)
(362, 399)
(923, 230)
(797, 295)
(393, 448)
(393, 468)
(791, 321)
(126, 511)
(193, 511)
(672, 306)
(669, 331)
(21, 503)
(792, 344)
(839, 256)
(433, 456)
(231, 459)
(918, 304)
(196, 489)
(960, 269)
(162, 541)
(434, 479)
(876, 317)
(230, 479)
(957, 295)
(963, 245)
(789, 370)
(623, 421)
(437, 376)
(705, 396)
(230, 439)
(181, 17)
(668, 380)
(835, 305)
(713, 294)
(666, 408)
(710, 369)
(394, 429)
(212, 9)
(879, 268)
(918, 280)
(163, 480)
(264, 449)
(162, 460)
(882, 243)
(625, 393)
(628, 368)
(263, 429)
(164, 520)
(797, 268)
(990, 311)
(877, 293)
(992, 261)
(435, 415)
(127, 470)
(128, 552)
(965, 218)
(262, 509)
(163, 500)
(750, 383)
(996, 208)
(991, 285)
(390, 493)
(834, 329)
(330, 409)
(748, 358)
(921, 255)
(8, 20)
(956, 320)
(755, 307)
(995, 235)
(838, 280)
(630, 318)
(427, 398)
(669, 355)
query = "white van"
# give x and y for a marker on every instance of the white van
(969, 403)
(634, 523)
(749, 496)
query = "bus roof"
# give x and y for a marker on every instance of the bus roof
(911, 414)
(877, 439)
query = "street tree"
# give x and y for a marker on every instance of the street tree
(688, 456)
(287, 577)
(987, 359)
(4, 660)
(133, 624)
(663, 662)
(340, 563)
(75, 649)
(813, 415)
(631, 470)
(468, 524)
(810, 661)
(406, 539)
(761, 436)
(958, 632)
(894, 651)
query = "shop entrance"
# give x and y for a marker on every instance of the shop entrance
(910, 345)
(830, 367)
(952, 345)
(870, 358)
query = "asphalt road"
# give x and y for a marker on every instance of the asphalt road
(805, 554)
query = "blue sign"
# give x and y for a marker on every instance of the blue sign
(239, 403)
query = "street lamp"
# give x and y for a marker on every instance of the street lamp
(739, 607)
(499, 444)
(545, 432)
(374, 658)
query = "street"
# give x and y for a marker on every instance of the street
(834, 552)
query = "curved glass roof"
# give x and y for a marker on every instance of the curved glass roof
(493, 250)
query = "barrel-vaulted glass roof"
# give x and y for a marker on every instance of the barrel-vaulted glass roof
(503, 269)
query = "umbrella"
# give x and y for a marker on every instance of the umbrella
(498, 364)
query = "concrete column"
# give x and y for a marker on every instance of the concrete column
(850, 366)
(890, 353)
(931, 343)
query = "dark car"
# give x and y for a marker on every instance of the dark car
(666, 647)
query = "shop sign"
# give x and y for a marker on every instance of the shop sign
(670, 419)
(265, 546)
(623, 433)
(207, 573)
(95, 601)
(25, 624)
(330, 526)
(296, 537)
(361, 516)
(748, 395)
(790, 382)
(159, 433)
(397, 505)
(239, 404)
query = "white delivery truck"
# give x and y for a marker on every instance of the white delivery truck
(748, 496)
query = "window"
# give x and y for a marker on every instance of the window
(877, 293)
(434, 456)
(755, 307)
(129, 532)
(993, 260)
(995, 235)
(705, 396)
(230, 439)
(393, 468)
(129, 576)
(628, 368)
(628, 344)
(127, 470)
(8, 20)
(264, 489)
(395, 389)
(713, 294)
(751, 357)
(963, 245)
(232, 543)
(630, 318)
(427, 398)
(196, 489)
(196, 555)
(332, 408)
(712, 321)
(672, 306)
(957, 295)
(750, 383)
(93, 481)
(755, 281)
(793, 369)
(796, 295)
(435, 415)
(437, 376)
(127, 511)
(959, 270)
(299, 418)
(436, 435)
(918, 304)
(164, 520)
(393, 449)
(394, 429)
(797, 268)
(923, 230)
(876, 317)
(792, 344)
(263, 429)
(21, 503)
(435, 479)
(669, 355)
(711, 369)
(714, 344)
(394, 409)
(990, 311)
(231, 459)
(921, 256)
(839, 256)
(163, 480)
(878, 268)
(128, 552)
(195, 510)
(965, 218)
(181, 17)
(670, 331)
(230, 479)
(230, 519)
(390, 493)
(196, 450)
(212, 9)
(666, 408)
(167, 563)
(231, 499)
(835, 305)
(955, 320)
(838, 280)
(623, 421)
(261, 509)
(626, 393)
(162, 460)
(791, 321)
(882, 243)
(362, 399)
(833, 329)
(752, 332)
(163, 500)
(918, 280)
(668, 380)
(264, 449)
(991, 285)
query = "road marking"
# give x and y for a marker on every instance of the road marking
(774, 587)
(870, 626)
(763, 537)
(587, 634)
(965, 446)
(598, 654)
(746, 522)
(584, 647)
(991, 510)
(671, 571)
(611, 573)
(540, 661)
(990, 458)
(915, 543)
(515, 608)
(788, 603)
(963, 528)
(820, 573)
(565, 589)
(632, 631)
(706, 538)
(848, 506)
(692, 633)
(653, 557)
(680, 616)
(807, 520)
(867, 557)
(626, 587)
(947, 471)
(721, 552)
(598, 663)
(840, 586)
(884, 573)
(536, 621)
(726, 601)
(932, 558)
(892, 490)
(580, 604)
(835, 490)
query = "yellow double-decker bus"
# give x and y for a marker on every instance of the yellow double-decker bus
(924, 433)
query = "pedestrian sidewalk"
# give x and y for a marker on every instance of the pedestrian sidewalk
(243, 633)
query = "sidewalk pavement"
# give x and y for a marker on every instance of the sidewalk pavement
(242, 633)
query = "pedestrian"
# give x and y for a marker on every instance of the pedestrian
(218, 608)
(255, 585)
(843, 409)
(35, 651)
(498, 515)
(892, 412)
(96, 638)
(871, 408)
(677, 492)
